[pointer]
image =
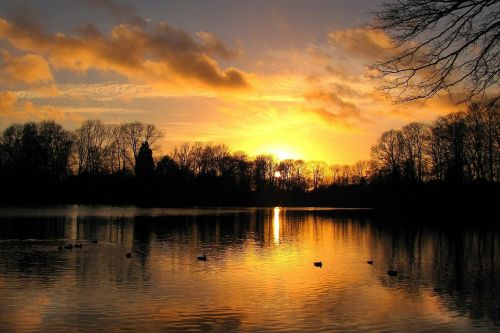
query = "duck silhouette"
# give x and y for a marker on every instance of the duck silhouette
(68, 247)
(78, 246)
(370, 262)
(128, 255)
(60, 248)
(318, 264)
(392, 272)
(202, 258)
(94, 241)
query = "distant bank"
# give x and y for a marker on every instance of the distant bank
(479, 202)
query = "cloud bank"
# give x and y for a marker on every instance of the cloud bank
(157, 54)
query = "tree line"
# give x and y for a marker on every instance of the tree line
(461, 147)
(46, 149)
(100, 162)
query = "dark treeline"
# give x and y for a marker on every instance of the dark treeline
(453, 161)
(462, 147)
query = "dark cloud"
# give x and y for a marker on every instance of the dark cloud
(122, 13)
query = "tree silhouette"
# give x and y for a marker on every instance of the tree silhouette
(144, 165)
(92, 143)
(133, 134)
(167, 167)
(460, 147)
(36, 150)
(440, 45)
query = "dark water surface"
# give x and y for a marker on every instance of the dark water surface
(259, 275)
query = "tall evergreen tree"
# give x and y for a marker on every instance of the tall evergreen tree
(144, 164)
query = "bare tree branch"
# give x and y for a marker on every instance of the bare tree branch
(451, 46)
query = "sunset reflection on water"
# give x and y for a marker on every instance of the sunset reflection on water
(259, 275)
(276, 225)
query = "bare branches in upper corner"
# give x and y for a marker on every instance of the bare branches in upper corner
(450, 46)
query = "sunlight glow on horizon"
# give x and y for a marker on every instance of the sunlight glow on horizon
(282, 151)
(283, 154)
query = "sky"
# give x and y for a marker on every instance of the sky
(287, 77)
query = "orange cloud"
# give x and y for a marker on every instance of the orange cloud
(334, 108)
(365, 43)
(13, 109)
(7, 101)
(159, 54)
(28, 69)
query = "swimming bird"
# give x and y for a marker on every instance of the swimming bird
(60, 248)
(370, 262)
(202, 258)
(94, 241)
(69, 247)
(318, 264)
(128, 255)
(78, 246)
(392, 272)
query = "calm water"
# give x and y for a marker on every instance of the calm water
(259, 275)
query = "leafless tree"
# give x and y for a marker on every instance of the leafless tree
(483, 140)
(299, 173)
(318, 173)
(264, 168)
(111, 148)
(347, 173)
(387, 152)
(136, 133)
(285, 169)
(182, 156)
(361, 171)
(463, 146)
(92, 142)
(440, 46)
(414, 140)
(119, 158)
(336, 172)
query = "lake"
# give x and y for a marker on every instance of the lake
(259, 273)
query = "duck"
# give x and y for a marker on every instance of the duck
(370, 262)
(128, 255)
(202, 258)
(94, 241)
(318, 264)
(69, 247)
(78, 246)
(392, 272)
(60, 248)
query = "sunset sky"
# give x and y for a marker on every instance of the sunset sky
(287, 77)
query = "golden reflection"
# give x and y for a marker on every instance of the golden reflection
(286, 287)
(276, 225)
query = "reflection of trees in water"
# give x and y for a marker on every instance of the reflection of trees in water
(36, 235)
(112, 230)
(29, 246)
(460, 267)
(32, 228)
(465, 273)
(44, 266)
